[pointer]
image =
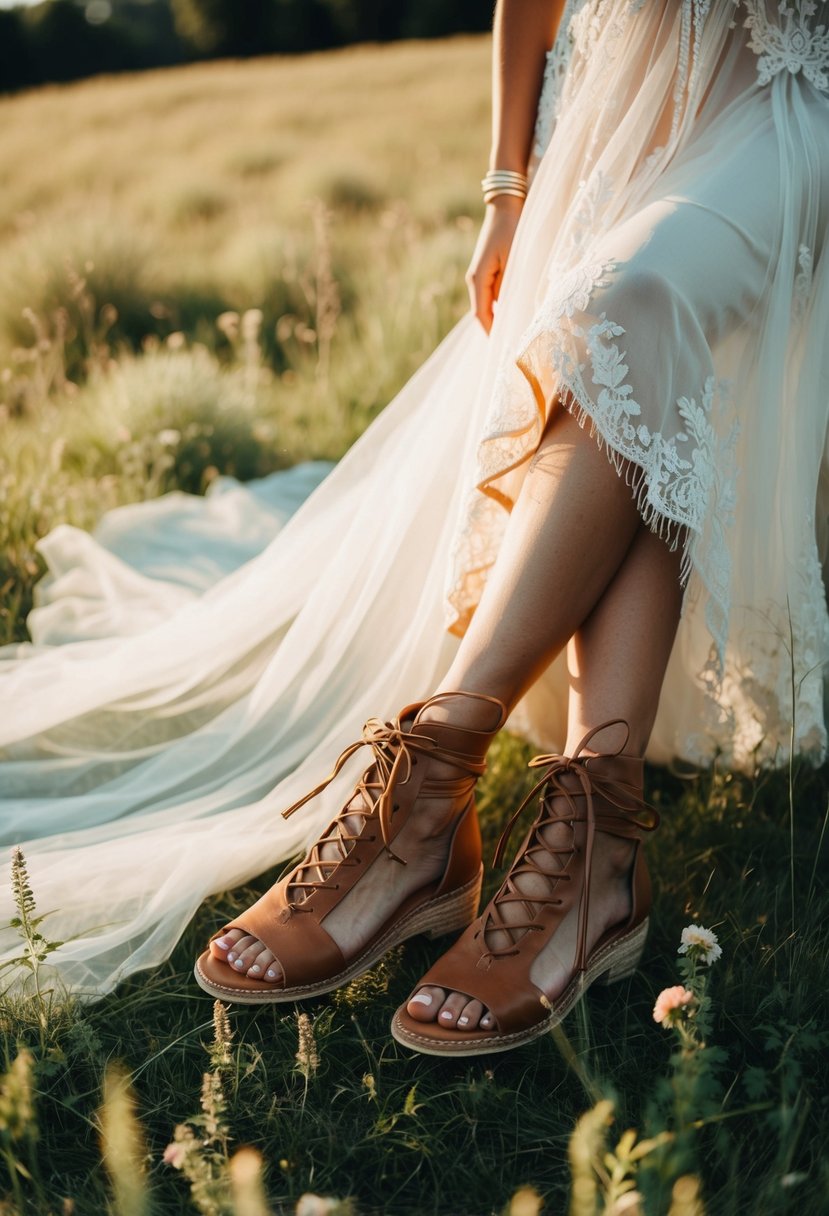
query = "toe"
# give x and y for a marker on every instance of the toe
(470, 1016)
(220, 945)
(273, 971)
(236, 955)
(487, 1022)
(262, 961)
(425, 1003)
(451, 1009)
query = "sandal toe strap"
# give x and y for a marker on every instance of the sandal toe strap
(305, 951)
(499, 982)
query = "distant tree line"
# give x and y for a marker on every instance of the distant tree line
(67, 39)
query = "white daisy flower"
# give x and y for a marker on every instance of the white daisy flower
(703, 942)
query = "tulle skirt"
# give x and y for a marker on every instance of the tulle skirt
(196, 665)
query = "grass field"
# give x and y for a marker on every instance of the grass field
(227, 268)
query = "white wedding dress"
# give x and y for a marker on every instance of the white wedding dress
(197, 664)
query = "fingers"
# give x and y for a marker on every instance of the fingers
(486, 270)
(483, 291)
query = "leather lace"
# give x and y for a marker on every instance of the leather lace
(624, 814)
(395, 753)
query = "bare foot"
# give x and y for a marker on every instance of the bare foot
(424, 841)
(552, 969)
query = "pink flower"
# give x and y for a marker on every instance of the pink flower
(174, 1154)
(669, 1002)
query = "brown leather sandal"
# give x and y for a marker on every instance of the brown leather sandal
(290, 918)
(603, 792)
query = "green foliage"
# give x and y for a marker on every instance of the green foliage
(331, 1106)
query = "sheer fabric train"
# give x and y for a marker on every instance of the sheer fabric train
(197, 665)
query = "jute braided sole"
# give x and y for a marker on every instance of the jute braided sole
(616, 961)
(436, 917)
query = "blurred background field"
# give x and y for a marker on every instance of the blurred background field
(331, 198)
(228, 267)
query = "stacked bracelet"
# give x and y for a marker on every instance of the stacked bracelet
(503, 181)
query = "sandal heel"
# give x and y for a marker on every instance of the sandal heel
(454, 912)
(627, 956)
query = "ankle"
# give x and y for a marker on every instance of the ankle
(464, 710)
(606, 740)
(614, 854)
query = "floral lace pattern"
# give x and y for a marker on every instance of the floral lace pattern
(681, 481)
(555, 70)
(797, 41)
(685, 480)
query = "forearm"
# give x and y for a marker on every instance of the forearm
(523, 32)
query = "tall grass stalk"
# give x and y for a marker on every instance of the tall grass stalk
(18, 1129)
(122, 1146)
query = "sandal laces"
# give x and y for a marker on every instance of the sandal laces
(395, 752)
(626, 816)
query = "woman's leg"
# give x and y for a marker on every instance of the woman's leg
(568, 534)
(616, 664)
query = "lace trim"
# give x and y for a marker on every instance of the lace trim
(684, 484)
(794, 43)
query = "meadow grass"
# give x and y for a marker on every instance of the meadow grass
(228, 268)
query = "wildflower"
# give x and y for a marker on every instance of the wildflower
(669, 1002)
(228, 324)
(316, 1205)
(174, 1154)
(220, 1054)
(701, 944)
(251, 324)
(307, 1056)
(23, 898)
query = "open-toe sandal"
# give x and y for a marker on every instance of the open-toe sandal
(289, 919)
(589, 793)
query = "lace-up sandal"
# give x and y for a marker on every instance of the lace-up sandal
(604, 794)
(289, 919)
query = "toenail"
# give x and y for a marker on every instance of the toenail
(239, 963)
(446, 1015)
(462, 1021)
(222, 943)
(255, 970)
(422, 998)
(270, 974)
(231, 956)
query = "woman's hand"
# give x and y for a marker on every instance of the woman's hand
(486, 270)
